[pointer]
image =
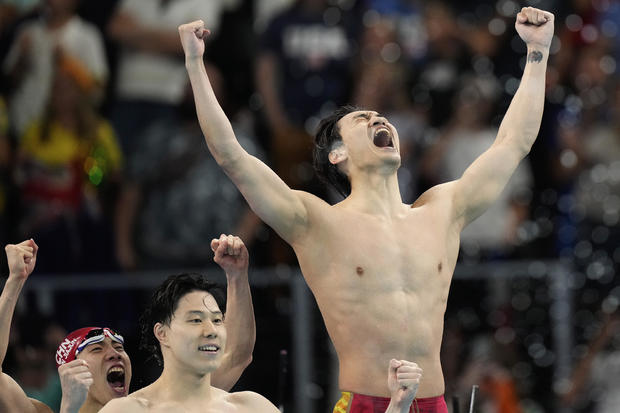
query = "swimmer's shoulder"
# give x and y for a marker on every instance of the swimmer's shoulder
(438, 193)
(248, 401)
(40, 407)
(129, 404)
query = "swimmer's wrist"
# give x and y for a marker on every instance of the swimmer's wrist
(237, 276)
(193, 61)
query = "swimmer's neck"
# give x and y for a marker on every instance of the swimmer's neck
(181, 384)
(375, 194)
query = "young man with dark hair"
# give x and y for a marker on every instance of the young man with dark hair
(380, 269)
(92, 363)
(163, 304)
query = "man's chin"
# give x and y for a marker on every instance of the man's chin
(118, 391)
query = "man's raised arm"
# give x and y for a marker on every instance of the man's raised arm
(21, 259)
(272, 200)
(232, 255)
(487, 176)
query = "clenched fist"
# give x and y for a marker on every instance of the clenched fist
(231, 254)
(192, 38)
(535, 27)
(21, 258)
(403, 380)
(75, 380)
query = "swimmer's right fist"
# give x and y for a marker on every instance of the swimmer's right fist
(403, 382)
(21, 259)
(192, 38)
(75, 380)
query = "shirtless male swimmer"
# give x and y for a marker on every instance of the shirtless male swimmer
(93, 365)
(380, 270)
(185, 328)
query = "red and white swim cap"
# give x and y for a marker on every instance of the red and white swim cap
(77, 340)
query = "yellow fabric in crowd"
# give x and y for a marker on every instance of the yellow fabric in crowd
(64, 146)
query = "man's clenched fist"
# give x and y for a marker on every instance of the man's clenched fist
(403, 380)
(75, 380)
(21, 258)
(192, 38)
(535, 27)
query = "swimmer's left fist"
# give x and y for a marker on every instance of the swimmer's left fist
(403, 382)
(192, 38)
(535, 27)
(231, 254)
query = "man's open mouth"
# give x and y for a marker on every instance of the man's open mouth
(209, 348)
(116, 379)
(383, 138)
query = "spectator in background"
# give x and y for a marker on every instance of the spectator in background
(265, 10)
(304, 68)
(185, 196)
(447, 57)
(494, 233)
(150, 85)
(151, 79)
(30, 62)
(67, 162)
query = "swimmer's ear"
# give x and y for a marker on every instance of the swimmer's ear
(160, 331)
(338, 154)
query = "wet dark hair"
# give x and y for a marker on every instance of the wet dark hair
(164, 303)
(326, 135)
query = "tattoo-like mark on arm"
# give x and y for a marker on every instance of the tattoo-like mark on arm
(535, 56)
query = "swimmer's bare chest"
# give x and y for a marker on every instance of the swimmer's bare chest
(356, 259)
(361, 249)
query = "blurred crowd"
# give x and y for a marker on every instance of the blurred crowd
(102, 160)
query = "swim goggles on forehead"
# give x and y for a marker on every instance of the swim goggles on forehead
(97, 335)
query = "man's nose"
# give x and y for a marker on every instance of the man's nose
(379, 121)
(209, 330)
(113, 354)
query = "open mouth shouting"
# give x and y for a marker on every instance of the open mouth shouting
(116, 380)
(383, 138)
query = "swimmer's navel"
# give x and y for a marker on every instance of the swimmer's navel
(359, 271)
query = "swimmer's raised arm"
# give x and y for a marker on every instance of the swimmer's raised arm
(21, 259)
(486, 177)
(232, 256)
(271, 199)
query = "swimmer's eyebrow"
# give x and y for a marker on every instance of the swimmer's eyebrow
(201, 313)
(366, 115)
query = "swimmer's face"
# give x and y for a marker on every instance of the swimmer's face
(111, 370)
(369, 140)
(196, 335)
